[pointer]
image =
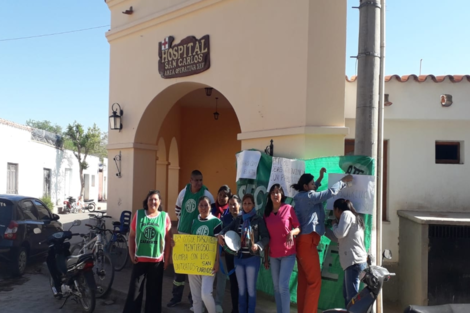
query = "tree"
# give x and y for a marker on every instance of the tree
(83, 143)
(45, 125)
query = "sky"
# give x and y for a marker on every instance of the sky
(65, 77)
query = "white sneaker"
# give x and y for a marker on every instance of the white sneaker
(219, 309)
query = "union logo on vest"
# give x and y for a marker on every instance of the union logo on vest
(190, 205)
(150, 232)
(202, 230)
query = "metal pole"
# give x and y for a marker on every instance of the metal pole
(367, 100)
(380, 151)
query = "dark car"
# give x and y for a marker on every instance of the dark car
(19, 216)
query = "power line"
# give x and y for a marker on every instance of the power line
(54, 34)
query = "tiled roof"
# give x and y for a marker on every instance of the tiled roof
(13, 124)
(421, 78)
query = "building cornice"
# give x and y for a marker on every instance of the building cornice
(293, 131)
(159, 17)
(131, 145)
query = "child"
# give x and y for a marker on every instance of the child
(349, 229)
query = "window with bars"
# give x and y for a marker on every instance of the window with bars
(46, 182)
(12, 178)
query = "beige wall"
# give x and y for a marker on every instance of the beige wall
(278, 63)
(209, 146)
(413, 123)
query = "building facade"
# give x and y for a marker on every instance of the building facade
(274, 67)
(34, 167)
(425, 137)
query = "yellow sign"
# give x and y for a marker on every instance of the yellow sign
(194, 255)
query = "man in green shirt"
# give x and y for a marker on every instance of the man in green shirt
(186, 211)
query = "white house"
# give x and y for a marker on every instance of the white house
(31, 164)
(426, 133)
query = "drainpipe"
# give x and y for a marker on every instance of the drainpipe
(380, 147)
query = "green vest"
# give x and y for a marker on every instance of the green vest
(150, 235)
(189, 209)
(205, 228)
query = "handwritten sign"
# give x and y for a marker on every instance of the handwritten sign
(247, 164)
(360, 192)
(194, 255)
(286, 172)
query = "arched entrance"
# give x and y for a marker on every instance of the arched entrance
(188, 138)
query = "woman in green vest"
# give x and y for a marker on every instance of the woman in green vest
(149, 250)
(201, 286)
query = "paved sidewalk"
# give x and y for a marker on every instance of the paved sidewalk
(265, 303)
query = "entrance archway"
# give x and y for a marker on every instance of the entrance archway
(196, 139)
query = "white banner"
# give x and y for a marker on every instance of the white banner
(286, 172)
(247, 164)
(360, 192)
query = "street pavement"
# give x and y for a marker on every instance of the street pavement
(31, 293)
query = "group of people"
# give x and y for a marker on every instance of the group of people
(276, 239)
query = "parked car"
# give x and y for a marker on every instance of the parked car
(19, 215)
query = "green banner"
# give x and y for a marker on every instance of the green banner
(332, 273)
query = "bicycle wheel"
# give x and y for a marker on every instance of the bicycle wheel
(86, 296)
(104, 273)
(118, 252)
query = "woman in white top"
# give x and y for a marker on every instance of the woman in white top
(349, 229)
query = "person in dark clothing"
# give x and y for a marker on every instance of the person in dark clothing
(234, 212)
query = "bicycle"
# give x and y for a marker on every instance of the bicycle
(103, 269)
(116, 246)
(118, 249)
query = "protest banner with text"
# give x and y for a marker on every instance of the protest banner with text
(332, 273)
(194, 254)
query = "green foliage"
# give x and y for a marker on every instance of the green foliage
(45, 125)
(47, 201)
(83, 143)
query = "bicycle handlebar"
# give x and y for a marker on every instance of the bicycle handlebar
(99, 217)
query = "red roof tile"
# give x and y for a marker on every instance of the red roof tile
(421, 78)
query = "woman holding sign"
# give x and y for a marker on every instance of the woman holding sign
(283, 225)
(311, 215)
(149, 250)
(349, 229)
(254, 237)
(201, 286)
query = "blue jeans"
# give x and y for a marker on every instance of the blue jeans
(351, 281)
(281, 269)
(247, 270)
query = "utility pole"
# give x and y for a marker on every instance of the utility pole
(367, 105)
(367, 100)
